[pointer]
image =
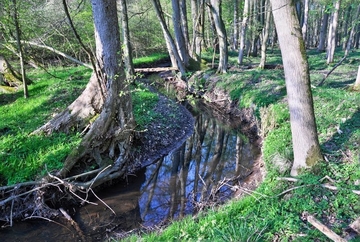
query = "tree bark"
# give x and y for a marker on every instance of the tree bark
(235, 25)
(304, 27)
(174, 55)
(243, 32)
(20, 48)
(179, 35)
(198, 11)
(127, 50)
(357, 81)
(107, 95)
(302, 119)
(215, 7)
(332, 33)
(265, 35)
(324, 25)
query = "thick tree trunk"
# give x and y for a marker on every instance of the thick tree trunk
(332, 33)
(243, 32)
(107, 94)
(303, 127)
(221, 33)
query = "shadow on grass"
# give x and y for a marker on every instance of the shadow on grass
(335, 144)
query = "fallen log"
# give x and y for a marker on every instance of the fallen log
(155, 69)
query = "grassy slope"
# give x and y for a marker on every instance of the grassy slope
(266, 215)
(26, 157)
(262, 216)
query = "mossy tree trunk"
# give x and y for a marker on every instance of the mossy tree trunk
(302, 119)
(10, 79)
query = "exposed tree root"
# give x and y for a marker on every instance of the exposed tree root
(45, 198)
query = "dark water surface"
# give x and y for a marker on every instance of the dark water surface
(192, 177)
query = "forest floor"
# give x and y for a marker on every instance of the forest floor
(277, 209)
(281, 208)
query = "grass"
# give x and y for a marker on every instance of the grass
(269, 214)
(263, 216)
(27, 157)
(24, 156)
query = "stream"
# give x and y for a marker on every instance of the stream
(195, 176)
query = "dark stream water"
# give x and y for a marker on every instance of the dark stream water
(190, 178)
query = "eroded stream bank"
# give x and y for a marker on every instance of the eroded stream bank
(214, 164)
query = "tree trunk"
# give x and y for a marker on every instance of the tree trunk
(179, 35)
(332, 33)
(215, 7)
(184, 24)
(304, 27)
(127, 55)
(20, 48)
(345, 27)
(351, 38)
(198, 11)
(357, 82)
(10, 79)
(107, 94)
(243, 32)
(302, 120)
(235, 25)
(265, 35)
(175, 57)
(324, 25)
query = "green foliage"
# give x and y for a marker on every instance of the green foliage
(144, 102)
(276, 210)
(24, 156)
(150, 59)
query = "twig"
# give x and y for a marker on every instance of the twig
(49, 220)
(291, 189)
(325, 230)
(328, 74)
(102, 201)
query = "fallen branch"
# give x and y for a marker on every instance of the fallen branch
(57, 52)
(326, 185)
(156, 69)
(325, 230)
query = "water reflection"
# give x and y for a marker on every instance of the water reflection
(195, 175)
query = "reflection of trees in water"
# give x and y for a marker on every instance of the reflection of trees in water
(187, 177)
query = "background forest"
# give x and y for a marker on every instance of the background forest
(50, 45)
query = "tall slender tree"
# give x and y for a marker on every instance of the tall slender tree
(127, 50)
(332, 33)
(215, 8)
(20, 47)
(243, 31)
(302, 119)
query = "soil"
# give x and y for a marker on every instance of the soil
(165, 134)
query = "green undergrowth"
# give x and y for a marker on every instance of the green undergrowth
(144, 102)
(277, 209)
(150, 59)
(27, 157)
